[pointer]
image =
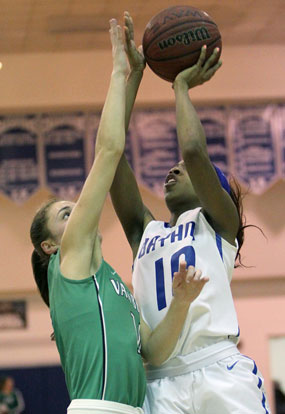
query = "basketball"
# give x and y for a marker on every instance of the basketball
(173, 39)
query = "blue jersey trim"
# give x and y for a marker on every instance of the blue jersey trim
(219, 245)
(254, 371)
(259, 385)
(160, 288)
(263, 403)
(259, 382)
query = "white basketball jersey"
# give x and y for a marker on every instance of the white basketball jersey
(212, 316)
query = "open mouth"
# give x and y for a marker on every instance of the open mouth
(170, 180)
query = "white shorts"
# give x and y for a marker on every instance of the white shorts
(232, 385)
(101, 407)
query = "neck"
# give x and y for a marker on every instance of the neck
(177, 213)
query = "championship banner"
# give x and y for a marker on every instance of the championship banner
(64, 138)
(93, 120)
(57, 150)
(253, 136)
(19, 172)
(13, 314)
(154, 132)
(281, 119)
(215, 123)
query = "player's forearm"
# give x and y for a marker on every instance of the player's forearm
(111, 131)
(190, 131)
(164, 337)
(133, 83)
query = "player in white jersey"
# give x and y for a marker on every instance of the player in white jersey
(206, 374)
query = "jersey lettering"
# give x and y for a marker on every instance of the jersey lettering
(156, 242)
(190, 258)
(121, 290)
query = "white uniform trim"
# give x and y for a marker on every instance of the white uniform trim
(196, 360)
(104, 336)
(87, 406)
(232, 385)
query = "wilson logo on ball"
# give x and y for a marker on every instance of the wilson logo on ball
(200, 33)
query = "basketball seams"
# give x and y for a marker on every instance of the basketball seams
(186, 54)
(177, 25)
(172, 11)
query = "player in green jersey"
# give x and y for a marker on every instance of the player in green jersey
(98, 331)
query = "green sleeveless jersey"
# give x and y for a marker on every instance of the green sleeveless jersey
(96, 326)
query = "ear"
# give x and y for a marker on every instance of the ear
(49, 247)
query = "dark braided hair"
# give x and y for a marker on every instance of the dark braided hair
(40, 260)
(237, 196)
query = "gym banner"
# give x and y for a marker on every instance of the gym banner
(13, 314)
(64, 137)
(57, 150)
(214, 121)
(253, 135)
(154, 134)
(19, 163)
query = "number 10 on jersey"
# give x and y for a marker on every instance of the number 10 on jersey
(189, 256)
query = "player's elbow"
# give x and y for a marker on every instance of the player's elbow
(111, 147)
(154, 358)
(192, 150)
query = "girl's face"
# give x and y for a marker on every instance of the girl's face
(57, 218)
(178, 186)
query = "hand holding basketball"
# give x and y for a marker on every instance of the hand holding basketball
(201, 72)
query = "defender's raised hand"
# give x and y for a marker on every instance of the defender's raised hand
(120, 62)
(188, 283)
(135, 55)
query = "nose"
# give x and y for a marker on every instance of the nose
(174, 170)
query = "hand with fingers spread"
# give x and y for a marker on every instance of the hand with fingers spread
(135, 55)
(120, 62)
(203, 71)
(188, 283)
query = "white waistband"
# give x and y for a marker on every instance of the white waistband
(193, 361)
(102, 406)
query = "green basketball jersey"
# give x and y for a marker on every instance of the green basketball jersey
(96, 326)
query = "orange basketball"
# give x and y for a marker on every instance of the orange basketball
(173, 39)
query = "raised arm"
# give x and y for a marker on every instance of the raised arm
(157, 345)
(216, 202)
(126, 198)
(80, 233)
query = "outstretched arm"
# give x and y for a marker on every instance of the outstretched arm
(157, 345)
(81, 230)
(216, 202)
(134, 216)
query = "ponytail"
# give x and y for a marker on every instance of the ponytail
(40, 270)
(237, 197)
(38, 232)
